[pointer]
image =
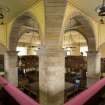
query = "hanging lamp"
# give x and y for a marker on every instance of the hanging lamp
(100, 9)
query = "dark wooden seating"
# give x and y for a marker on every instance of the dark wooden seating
(14, 95)
(91, 96)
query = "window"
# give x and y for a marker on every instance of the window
(21, 51)
(84, 50)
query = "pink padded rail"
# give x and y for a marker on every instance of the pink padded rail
(23, 99)
(83, 97)
(19, 96)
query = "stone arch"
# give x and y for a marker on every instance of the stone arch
(22, 24)
(82, 25)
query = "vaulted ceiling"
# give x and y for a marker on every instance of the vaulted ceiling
(15, 7)
(88, 7)
(30, 38)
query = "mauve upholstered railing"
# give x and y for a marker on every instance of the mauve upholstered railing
(88, 94)
(16, 94)
(23, 99)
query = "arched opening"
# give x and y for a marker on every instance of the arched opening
(75, 44)
(80, 40)
(75, 64)
(25, 39)
(28, 44)
(23, 24)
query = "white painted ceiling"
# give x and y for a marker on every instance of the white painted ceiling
(87, 7)
(16, 7)
(27, 39)
(74, 38)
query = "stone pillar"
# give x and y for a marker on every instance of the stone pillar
(51, 76)
(93, 67)
(10, 67)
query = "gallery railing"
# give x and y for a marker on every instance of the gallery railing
(90, 96)
(16, 94)
(87, 97)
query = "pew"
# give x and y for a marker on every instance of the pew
(90, 96)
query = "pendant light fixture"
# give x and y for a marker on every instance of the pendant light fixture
(3, 14)
(101, 11)
(68, 47)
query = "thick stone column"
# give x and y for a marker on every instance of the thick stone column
(51, 76)
(10, 67)
(93, 67)
(51, 57)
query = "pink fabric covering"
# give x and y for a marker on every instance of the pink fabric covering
(23, 99)
(87, 94)
(18, 95)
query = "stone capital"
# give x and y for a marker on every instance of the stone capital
(92, 52)
(12, 52)
(50, 51)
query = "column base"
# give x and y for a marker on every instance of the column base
(49, 99)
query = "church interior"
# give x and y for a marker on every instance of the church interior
(52, 52)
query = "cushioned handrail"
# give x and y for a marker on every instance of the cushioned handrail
(80, 99)
(18, 95)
